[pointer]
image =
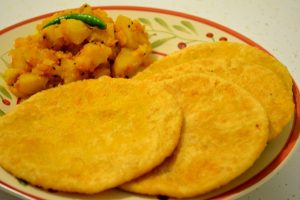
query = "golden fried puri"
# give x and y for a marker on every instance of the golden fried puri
(232, 52)
(259, 81)
(225, 130)
(90, 135)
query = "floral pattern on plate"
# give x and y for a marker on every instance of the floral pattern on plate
(169, 31)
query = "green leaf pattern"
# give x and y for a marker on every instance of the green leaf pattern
(2, 112)
(163, 23)
(146, 22)
(159, 42)
(6, 98)
(180, 28)
(158, 26)
(5, 92)
(189, 25)
(4, 60)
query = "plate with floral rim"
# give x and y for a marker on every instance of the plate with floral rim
(169, 31)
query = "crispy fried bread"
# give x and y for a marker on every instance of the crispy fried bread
(91, 135)
(225, 130)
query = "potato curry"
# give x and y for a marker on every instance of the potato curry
(70, 45)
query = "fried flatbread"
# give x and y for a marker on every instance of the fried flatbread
(261, 82)
(91, 135)
(231, 51)
(225, 130)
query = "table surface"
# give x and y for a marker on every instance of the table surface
(274, 24)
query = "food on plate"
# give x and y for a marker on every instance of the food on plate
(225, 130)
(232, 52)
(186, 125)
(86, 18)
(77, 44)
(90, 135)
(258, 80)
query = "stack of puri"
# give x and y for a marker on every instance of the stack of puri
(235, 98)
(190, 123)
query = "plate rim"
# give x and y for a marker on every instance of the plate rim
(278, 162)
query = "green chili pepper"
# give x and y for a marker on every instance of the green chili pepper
(86, 18)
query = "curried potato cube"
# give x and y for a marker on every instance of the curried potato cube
(53, 37)
(92, 55)
(75, 31)
(130, 33)
(129, 61)
(11, 75)
(29, 83)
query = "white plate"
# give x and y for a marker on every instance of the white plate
(169, 31)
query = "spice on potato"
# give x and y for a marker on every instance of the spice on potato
(67, 49)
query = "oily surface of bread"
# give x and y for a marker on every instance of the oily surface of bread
(230, 51)
(259, 81)
(89, 136)
(225, 130)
